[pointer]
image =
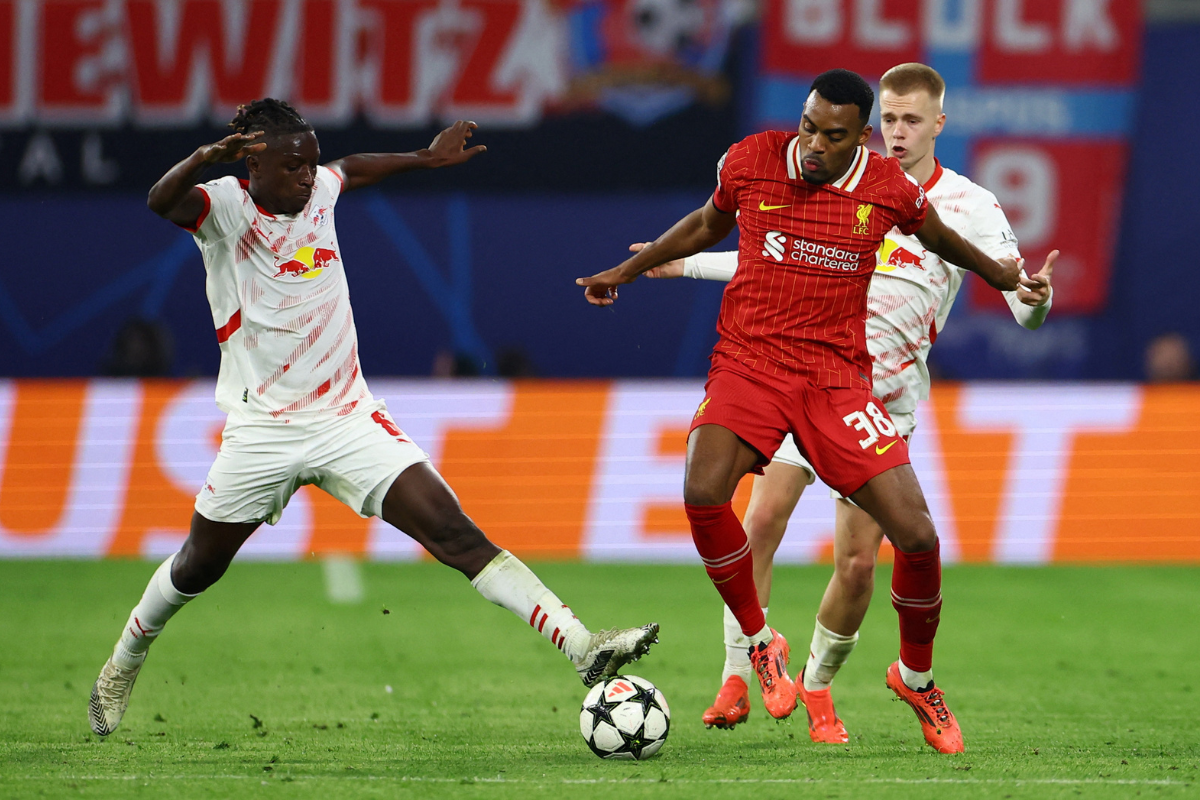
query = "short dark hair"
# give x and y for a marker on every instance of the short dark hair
(843, 87)
(270, 116)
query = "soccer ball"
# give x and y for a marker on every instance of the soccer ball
(625, 717)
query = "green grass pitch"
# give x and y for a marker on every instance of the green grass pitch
(1069, 682)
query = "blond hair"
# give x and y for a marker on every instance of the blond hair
(905, 79)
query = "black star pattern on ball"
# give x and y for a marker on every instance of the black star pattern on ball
(632, 743)
(647, 698)
(602, 710)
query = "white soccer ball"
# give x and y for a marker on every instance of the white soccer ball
(625, 717)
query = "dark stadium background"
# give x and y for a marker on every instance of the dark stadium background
(477, 263)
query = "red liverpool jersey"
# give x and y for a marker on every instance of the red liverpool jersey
(798, 302)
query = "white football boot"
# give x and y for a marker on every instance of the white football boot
(608, 651)
(110, 696)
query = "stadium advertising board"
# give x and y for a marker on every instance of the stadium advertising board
(74, 71)
(1014, 473)
(1039, 106)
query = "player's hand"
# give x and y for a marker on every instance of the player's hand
(1009, 277)
(1035, 289)
(671, 269)
(601, 288)
(450, 146)
(234, 147)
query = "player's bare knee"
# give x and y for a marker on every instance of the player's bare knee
(765, 524)
(918, 537)
(459, 543)
(699, 491)
(197, 568)
(856, 573)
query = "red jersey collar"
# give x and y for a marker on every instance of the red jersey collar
(246, 185)
(935, 177)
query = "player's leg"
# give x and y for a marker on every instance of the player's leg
(420, 503)
(894, 499)
(201, 561)
(856, 542)
(772, 500)
(249, 482)
(717, 458)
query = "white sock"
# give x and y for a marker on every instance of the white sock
(159, 603)
(510, 584)
(737, 649)
(917, 681)
(762, 637)
(826, 655)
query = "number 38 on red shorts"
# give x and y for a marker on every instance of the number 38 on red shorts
(843, 431)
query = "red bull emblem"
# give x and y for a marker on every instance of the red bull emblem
(893, 256)
(307, 262)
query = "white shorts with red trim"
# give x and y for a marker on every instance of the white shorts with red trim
(788, 453)
(262, 463)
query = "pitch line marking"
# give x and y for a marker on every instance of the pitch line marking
(630, 780)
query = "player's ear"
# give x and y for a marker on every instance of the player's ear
(865, 136)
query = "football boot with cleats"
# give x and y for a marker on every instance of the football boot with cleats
(769, 661)
(824, 725)
(110, 696)
(731, 707)
(937, 723)
(608, 651)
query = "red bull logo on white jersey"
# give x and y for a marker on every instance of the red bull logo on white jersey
(893, 256)
(307, 262)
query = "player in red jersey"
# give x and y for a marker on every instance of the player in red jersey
(812, 210)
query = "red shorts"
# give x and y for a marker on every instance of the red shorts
(844, 432)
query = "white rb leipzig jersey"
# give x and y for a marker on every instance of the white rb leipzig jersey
(913, 290)
(280, 304)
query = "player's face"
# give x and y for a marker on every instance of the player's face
(282, 176)
(829, 136)
(910, 123)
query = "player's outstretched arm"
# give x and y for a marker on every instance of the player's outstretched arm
(1030, 303)
(448, 149)
(702, 266)
(175, 196)
(947, 243)
(698, 231)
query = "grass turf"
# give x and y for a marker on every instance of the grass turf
(1067, 681)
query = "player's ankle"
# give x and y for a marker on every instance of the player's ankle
(764, 636)
(917, 681)
(124, 658)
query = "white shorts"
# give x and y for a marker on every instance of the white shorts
(788, 453)
(262, 463)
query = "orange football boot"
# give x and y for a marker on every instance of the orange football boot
(937, 723)
(732, 705)
(824, 726)
(770, 662)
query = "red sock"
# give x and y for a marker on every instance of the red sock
(917, 598)
(722, 544)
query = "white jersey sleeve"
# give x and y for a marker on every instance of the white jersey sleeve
(991, 232)
(711, 266)
(222, 215)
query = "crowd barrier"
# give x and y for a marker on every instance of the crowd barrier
(1014, 473)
